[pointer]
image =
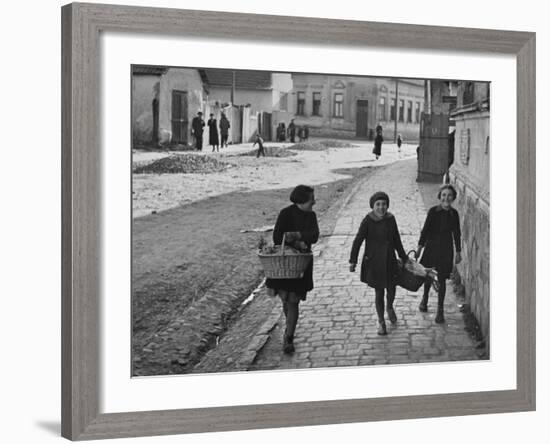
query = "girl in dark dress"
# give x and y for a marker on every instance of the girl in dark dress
(378, 145)
(299, 222)
(213, 133)
(379, 265)
(441, 228)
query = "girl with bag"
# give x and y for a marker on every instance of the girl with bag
(379, 265)
(441, 228)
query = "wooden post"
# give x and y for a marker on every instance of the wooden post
(396, 110)
(233, 88)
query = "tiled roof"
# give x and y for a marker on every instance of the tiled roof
(243, 79)
(148, 70)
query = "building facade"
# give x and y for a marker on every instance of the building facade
(470, 174)
(164, 102)
(352, 107)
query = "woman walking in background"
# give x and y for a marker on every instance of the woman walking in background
(379, 265)
(299, 224)
(441, 227)
(377, 150)
(213, 133)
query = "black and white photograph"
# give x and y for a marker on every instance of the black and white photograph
(287, 220)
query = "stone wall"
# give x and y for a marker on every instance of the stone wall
(470, 173)
(474, 270)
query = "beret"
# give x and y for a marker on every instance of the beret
(379, 195)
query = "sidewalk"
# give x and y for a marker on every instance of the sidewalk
(338, 323)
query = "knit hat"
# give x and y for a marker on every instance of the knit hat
(379, 195)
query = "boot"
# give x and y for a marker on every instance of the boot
(423, 307)
(382, 329)
(391, 315)
(288, 344)
(439, 318)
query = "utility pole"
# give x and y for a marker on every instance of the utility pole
(233, 88)
(396, 110)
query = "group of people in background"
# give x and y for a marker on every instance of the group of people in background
(197, 129)
(439, 247)
(378, 139)
(283, 132)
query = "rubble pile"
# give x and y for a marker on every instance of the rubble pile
(321, 145)
(182, 163)
(270, 151)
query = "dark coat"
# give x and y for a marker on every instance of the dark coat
(440, 228)
(379, 265)
(213, 132)
(292, 218)
(224, 126)
(291, 130)
(197, 125)
(378, 144)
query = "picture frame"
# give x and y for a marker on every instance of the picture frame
(81, 182)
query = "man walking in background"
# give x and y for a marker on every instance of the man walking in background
(197, 126)
(224, 129)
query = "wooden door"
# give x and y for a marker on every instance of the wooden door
(180, 122)
(433, 156)
(362, 119)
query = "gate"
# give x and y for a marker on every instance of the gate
(265, 125)
(180, 122)
(433, 155)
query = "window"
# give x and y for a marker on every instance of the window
(392, 109)
(409, 111)
(417, 113)
(382, 109)
(301, 105)
(468, 94)
(283, 101)
(338, 105)
(401, 110)
(316, 111)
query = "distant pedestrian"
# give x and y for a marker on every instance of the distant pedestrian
(441, 228)
(299, 224)
(224, 129)
(281, 132)
(399, 142)
(292, 131)
(260, 143)
(379, 265)
(197, 126)
(306, 132)
(301, 134)
(377, 150)
(213, 139)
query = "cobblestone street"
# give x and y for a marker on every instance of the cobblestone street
(338, 324)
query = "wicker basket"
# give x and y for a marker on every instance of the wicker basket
(406, 278)
(284, 266)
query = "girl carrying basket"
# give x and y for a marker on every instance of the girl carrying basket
(441, 228)
(379, 265)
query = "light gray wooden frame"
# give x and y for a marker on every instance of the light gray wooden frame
(81, 25)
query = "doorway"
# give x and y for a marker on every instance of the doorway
(180, 122)
(361, 119)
